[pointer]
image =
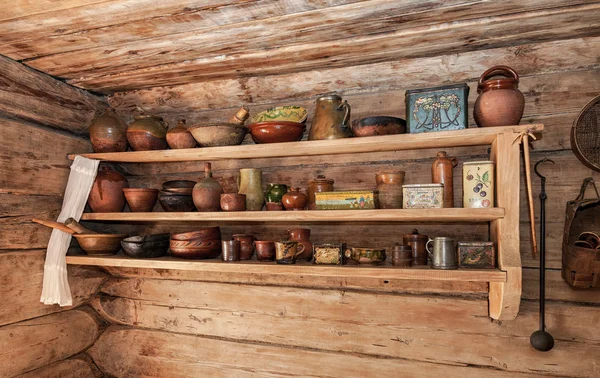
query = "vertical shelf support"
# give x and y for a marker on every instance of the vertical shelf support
(505, 297)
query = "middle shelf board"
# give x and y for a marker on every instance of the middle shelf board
(379, 215)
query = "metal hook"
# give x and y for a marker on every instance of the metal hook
(535, 167)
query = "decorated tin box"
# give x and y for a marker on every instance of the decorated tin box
(329, 254)
(478, 184)
(350, 200)
(476, 255)
(423, 196)
(437, 109)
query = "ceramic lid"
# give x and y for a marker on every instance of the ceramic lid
(321, 180)
(416, 236)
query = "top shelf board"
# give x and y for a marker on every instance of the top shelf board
(441, 139)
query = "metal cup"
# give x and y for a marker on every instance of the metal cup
(231, 250)
(443, 255)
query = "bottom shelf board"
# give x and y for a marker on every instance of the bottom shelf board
(300, 269)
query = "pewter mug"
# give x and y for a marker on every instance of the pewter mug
(443, 255)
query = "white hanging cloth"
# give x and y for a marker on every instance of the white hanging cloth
(81, 179)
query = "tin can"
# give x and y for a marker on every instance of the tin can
(476, 255)
(437, 109)
(329, 254)
(423, 196)
(402, 256)
(349, 200)
(478, 184)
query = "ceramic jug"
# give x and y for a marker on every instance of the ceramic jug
(500, 103)
(179, 137)
(207, 192)
(147, 132)
(441, 173)
(108, 133)
(107, 194)
(331, 119)
(250, 184)
(389, 189)
(273, 196)
(302, 235)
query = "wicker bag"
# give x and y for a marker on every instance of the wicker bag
(580, 265)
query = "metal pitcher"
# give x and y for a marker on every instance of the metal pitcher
(331, 119)
(443, 255)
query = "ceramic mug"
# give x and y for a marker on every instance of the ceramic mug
(443, 255)
(265, 250)
(286, 252)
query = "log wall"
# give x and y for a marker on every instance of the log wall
(38, 340)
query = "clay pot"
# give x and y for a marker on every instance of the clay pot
(146, 133)
(417, 243)
(207, 192)
(302, 235)
(294, 200)
(500, 103)
(218, 134)
(107, 195)
(265, 250)
(108, 133)
(179, 137)
(210, 233)
(389, 188)
(441, 173)
(246, 245)
(274, 206)
(201, 244)
(175, 202)
(318, 185)
(140, 199)
(276, 131)
(273, 196)
(250, 184)
(233, 202)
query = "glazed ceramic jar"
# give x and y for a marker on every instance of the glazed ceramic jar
(108, 133)
(179, 137)
(246, 245)
(500, 103)
(318, 185)
(207, 192)
(389, 188)
(294, 200)
(273, 196)
(250, 184)
(302, 235)
(441, 173)
(107, 195)
(146, 133)
(417, 243)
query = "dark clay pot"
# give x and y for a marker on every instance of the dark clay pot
(107, 195)
(207, 192)
(108, 133)
(246, 245)
(294, 200)
(265, 250)
(500, 103)
(147, 133)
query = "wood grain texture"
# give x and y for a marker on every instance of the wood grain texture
(36, 97)
(75, 367)
(32, 344)
(21, 277)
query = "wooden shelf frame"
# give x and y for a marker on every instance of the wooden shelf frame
(505, 283)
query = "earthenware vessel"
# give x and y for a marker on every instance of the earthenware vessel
(141, 199)
(178, 184)
(442, 253)
(250, 184)
(233, 202)
(286, 252)
(273, 196)
(200, 244)
(179, 137)
(207, 192)
(318, 185)
(366, 255)
(294, 200)
(209, 233)
(302, 235)
(147, 132)
(148, 246)
(417, 243)
(389, 188)
(265, 250)
(441, 173)
(218, 134)
(282, 113)
(402, 256)
(175, 202)
(276, 131)
(380, 125)
(331, 118)
(100, 244)
(108, 133)
(274, 206)
(230, 250)
(107, 195)
(246, 245)
(500, 102)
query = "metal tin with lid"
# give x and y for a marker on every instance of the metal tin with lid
(478, 184)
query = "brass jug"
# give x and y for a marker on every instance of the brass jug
(331, 119)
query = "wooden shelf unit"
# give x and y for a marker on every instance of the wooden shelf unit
(504, 283)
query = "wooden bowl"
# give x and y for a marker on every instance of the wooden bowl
(100, 244)
(141, 200)
(380, 125)
(282, 113)
(276, 131)
(220, 134)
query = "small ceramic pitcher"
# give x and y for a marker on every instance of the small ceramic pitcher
(250, 184)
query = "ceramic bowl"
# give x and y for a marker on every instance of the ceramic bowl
(366, 255)
(180, 191)
(196, 249)
(100, 244)
(141, 199)
(148, 246)
(176, 184)
(276, 131)
(205, 233)
(233, 202)
(216, 135)
(281, 113)
(381, 125)
(145, 141)
(172, 202)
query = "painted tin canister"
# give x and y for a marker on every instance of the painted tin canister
(423, 196)
(437, 109)
(478, 184)
(329, 254)
(350, 200)
(476, 255)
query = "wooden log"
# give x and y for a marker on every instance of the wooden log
(35, 97)
(40, 6)
(556, 288)
(35, 343)
(75, 367)
(21, 275)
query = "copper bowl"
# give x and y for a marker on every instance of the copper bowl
(196, 249)
(233, 202)
(219, 134)
(100, 244)
(381, 125)
(173, 202)
(205, 233)
(141, 199)
(276, 131)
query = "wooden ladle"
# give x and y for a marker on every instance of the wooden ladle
(77, 227)
(52, 224)
(70, 226)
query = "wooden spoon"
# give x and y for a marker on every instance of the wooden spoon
(52, 224)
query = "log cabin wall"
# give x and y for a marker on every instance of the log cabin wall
(40, 118)
(201, 63)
